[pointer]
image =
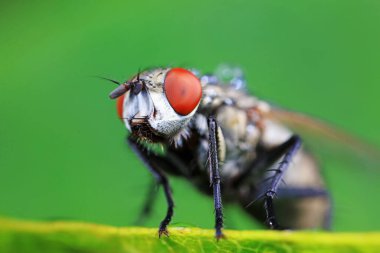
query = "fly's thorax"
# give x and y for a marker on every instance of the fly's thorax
(217, 95)
(239, 115)
(164, 105)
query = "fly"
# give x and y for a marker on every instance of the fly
(228, 144)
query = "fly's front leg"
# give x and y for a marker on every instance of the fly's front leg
(293, 144)
(213, 163)
(169, 213)
(150, 161)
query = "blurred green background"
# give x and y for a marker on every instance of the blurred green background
(62, 148)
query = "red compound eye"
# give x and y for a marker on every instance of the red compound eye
(183, 90)
(119, 106)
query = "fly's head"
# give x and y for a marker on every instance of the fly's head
(157, 104)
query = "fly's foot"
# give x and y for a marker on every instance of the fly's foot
(163, 226)
(163, 231)
(273, 224)
(271, 220)
(219, 235)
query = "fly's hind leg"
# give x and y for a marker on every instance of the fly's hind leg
(301, 202)
(293, 144)
(297, 208)
(268, 191)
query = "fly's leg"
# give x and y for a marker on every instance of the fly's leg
(149, 159)
(214, 175)
(293, 144)
(146, 211)
(169, 213)
(299, 207)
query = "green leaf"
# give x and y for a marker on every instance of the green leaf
(23, 237)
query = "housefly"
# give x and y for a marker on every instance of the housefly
(229, 145)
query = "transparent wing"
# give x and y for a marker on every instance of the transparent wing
(350, 165)
(328, 140)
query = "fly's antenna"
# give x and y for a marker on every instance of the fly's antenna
(120, 90)
(138, 75)
(108, 79)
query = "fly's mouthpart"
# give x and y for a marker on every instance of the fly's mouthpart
(141, 128)
(138, 121)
